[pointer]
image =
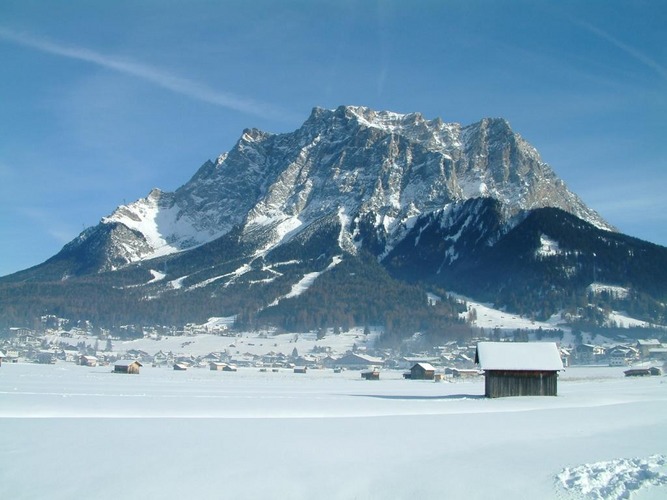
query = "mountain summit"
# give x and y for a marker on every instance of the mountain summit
(416, 201)
(351, 161)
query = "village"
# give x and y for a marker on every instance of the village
(218, 348)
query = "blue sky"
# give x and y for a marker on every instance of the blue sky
(102, 101)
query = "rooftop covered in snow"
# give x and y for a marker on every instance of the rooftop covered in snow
(519, 356)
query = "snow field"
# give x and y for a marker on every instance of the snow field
(69, 430)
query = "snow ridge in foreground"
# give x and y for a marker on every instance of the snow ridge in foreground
(615, 479)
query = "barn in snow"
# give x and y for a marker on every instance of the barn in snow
(421, 371)
(127, 366)
(519, 368)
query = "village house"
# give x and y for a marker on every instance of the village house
(19, 333)
(358, 361)
(658, 354)
(586, 354)
(160, 358)
(70, 355)
(214, 357)
(463, 360)
(519, 368)
(328, 362)
(12, 356)
(565, 355)
(185, 360)
(645, 345)
(622, 355)
(139, 355)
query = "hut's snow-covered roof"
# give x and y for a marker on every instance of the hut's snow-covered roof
(518, 356)
(127, 362)
(649, 342)
(425, 366)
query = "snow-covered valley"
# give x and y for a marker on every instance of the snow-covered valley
(70, 430)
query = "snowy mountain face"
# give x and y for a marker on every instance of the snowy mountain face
(348, 220)
(378, 170)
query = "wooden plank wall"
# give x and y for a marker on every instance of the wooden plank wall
(520, 383)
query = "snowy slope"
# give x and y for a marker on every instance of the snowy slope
(258, 435)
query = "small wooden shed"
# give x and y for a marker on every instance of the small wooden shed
(642, 372)
(422, 371)
(373, 374)
(519, 368)
(127, 366)
(88, 361)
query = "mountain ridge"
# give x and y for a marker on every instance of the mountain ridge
(268, 177)
(431, 202)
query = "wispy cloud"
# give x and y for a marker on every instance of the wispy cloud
(628, 49)
(156, 76)
(52, 224)
(652, 206)
(628, 198)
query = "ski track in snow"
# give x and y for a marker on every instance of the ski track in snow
(306, 281)
(614, 479)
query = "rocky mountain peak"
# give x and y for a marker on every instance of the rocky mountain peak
(352, 196)
(380, 169)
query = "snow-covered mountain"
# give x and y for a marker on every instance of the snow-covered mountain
(380, 167)
(347, 220)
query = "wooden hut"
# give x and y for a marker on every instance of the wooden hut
(465, 373)
(127, 366)
(421, 371)
(373, 374)
(642, 372)
(88, 361)
(519, 368)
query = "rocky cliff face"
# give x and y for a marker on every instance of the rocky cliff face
(378, 172)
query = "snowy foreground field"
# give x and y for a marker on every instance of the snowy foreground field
(68, 431)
